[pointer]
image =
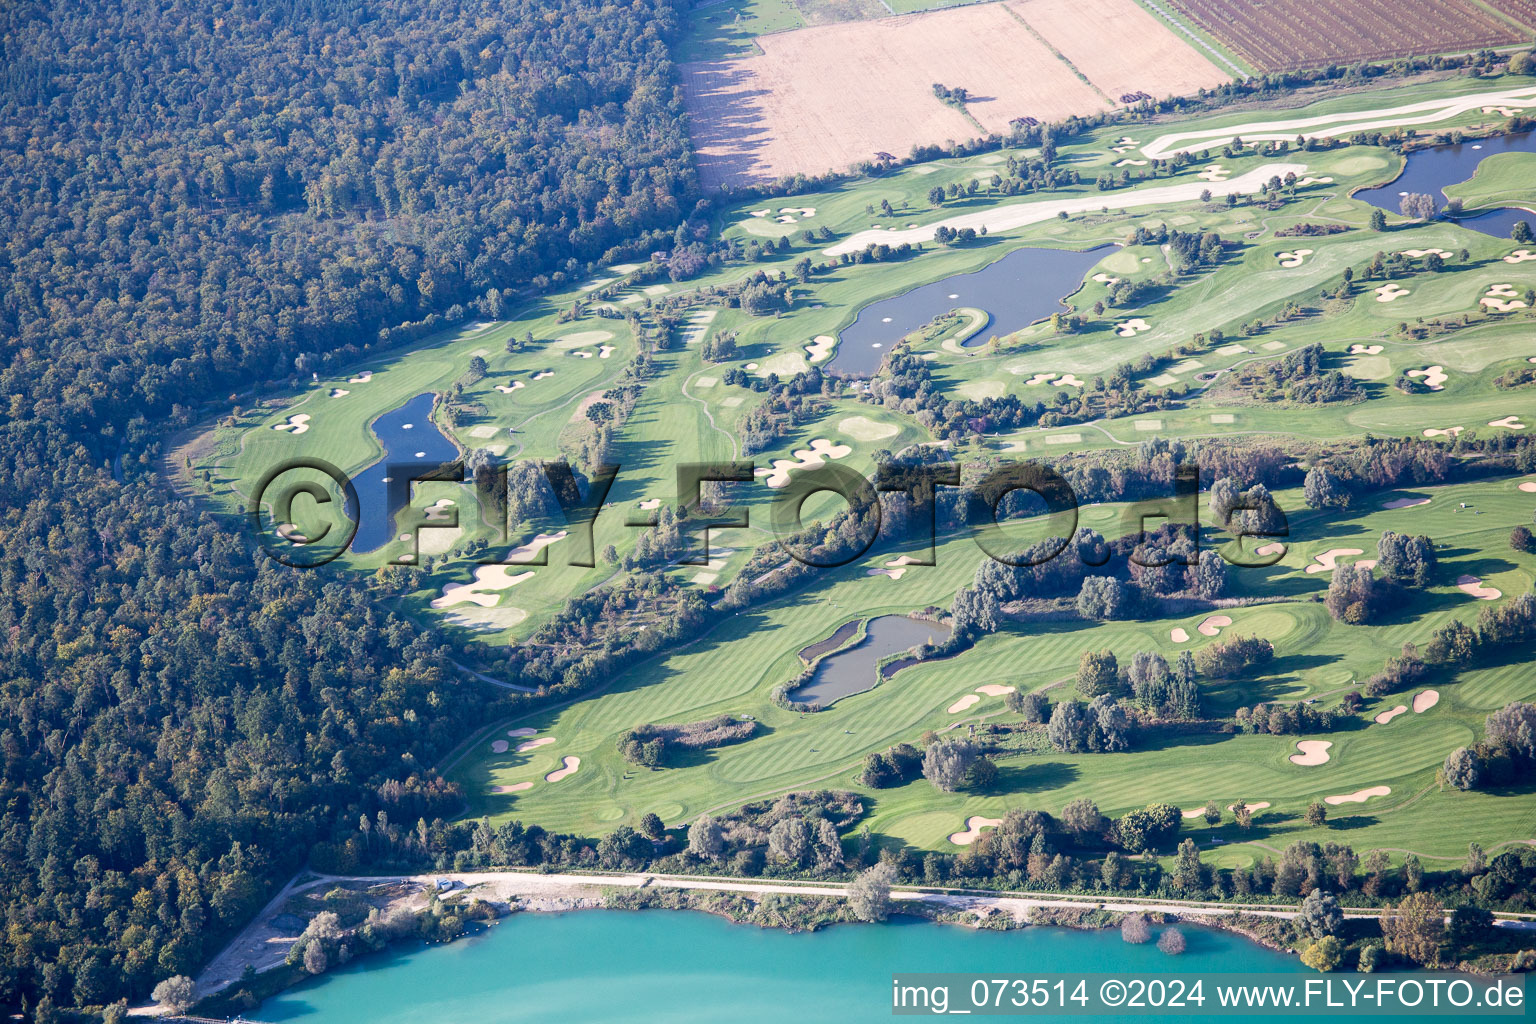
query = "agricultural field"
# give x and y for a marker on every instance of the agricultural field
(1450, 323)
(1280, 37)
(828, 97)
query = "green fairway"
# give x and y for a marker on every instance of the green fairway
(1185, 338)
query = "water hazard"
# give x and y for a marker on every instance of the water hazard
(852, 669)
(1429, 171)
(1025, 286)
(410, 438)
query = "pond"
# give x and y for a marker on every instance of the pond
(412, 444)
(852, 670)
(1429, 171)
(1025, 286)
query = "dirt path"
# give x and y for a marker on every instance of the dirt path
(1017, 215)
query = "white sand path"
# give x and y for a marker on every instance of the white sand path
(1008, 216)
(1329, 126)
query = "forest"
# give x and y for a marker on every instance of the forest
(197, 200)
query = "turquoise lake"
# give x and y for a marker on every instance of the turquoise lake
(603, 966)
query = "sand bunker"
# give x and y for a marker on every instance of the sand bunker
(1312, 752)
(1293, 259)
(507, 389)
(1446, 432)
(542, 741)
(1520, 256)
(570, 764)
(339, 392)
(1066, 380)
(1508, 423)
(604, 351)
(995, 689)
(1328, 560)
(862, 428)
(1501, 299)
(533, 547)
(1178, 635)
(1425, 700)
(820, 451)
(1365, 350)
(582, 355)
(973, 827)
(1215, 172)
(896, 568)
(1419, 254)
(297, 424)
(1039, 378)
(526, 730)
(498, 746)
(516, 787)
(963, 703)
(1106, 279)
(485, 591)
(437, 512)
(362, 378)
(1128, 162)
(1391, 292)
(649, 503)
(1474, 586)
(542, 374)
(1359, 796)
(1213, 625)
(1387, 716)
(1275, 548)
(1187, 815)
(820, 347)
(1133, 327)
(1258, 805)
(1529, 487)
(1405, 502)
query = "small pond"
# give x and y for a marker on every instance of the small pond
(852, 670)
(413, 444)
(1025, 286)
